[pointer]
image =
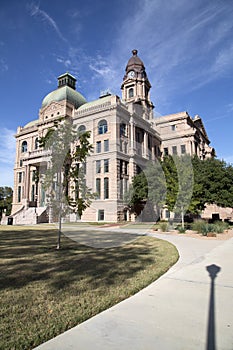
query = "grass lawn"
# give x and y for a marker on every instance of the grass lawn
(44, 292)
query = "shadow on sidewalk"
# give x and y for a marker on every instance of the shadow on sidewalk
(210, 343)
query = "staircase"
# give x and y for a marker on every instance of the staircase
(30, 216)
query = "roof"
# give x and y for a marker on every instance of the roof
(97, 102)
(135, 62)
(64, 93)
(32, 123)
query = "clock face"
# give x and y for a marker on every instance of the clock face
(131, 74)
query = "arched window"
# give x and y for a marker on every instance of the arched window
(81, 129)
(106, 188)
(37, 143)
(102, 127)
(131, 92)
(24, 147)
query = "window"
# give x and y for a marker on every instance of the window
(101, 215)
(173, 127)
(98, 147)
(106, 145)
(165, 151)
(84, 168)
(37, 143)
(33, 193)
(123, 129)
(98, 188)
(167, 214)
(20, 162)
(20, 177)
(106, 188)
(19, 194)
(81, 129)
(98, 166)
(106, 165)
(174, 150)
(24, 146)
(121, 167)
(183, 149)
(126, 168)
(102, 127)
(131, 92)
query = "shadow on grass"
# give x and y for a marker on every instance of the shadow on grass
(29, 256)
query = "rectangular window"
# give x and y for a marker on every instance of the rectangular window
(98, 146)
(121, 188)
(173, 127)
(106, 145)
(33, 193)
(126, 168)
(19, 194)
(101, 215)
(21, 162)
(183, 149)
(20, 177)
(121, 167)
(165, 151)
(106, 165)
(106, 188)
(98, 166)
(98, 188)
(84, 168)
(174, 150)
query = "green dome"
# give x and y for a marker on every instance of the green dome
(64, 93)
(32, 123)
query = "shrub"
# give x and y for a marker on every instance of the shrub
(181, 229)
(203, 227)
(220, 226)
(198, 225)
(164, 226)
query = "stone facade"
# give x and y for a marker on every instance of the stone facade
(124, 134)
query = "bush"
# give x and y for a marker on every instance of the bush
(220, 226)
(203, 227)
(164, 226)
(181, 229)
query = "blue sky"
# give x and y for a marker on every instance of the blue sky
(186, 46)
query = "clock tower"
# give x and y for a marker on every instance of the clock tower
(136, 86)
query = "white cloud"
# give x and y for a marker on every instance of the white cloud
(7, 156)
(45, 17)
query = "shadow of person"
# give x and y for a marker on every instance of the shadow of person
(210, 343)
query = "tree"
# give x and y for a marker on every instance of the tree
(148, 187)
(213, 181)
(64, 181)
(185, 185)
(6, 196)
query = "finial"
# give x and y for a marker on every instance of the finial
(134, 52)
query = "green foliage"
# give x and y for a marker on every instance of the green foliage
(164, 226)
(213, 182)
(171, 177)
(184, 184)
(150, 185)
(204, 227)
(181, 229)
(63, 179)
(6, 196)
(220, 226)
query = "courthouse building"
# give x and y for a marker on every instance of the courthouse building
(124, 133)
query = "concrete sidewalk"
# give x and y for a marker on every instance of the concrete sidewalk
(184, 309)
